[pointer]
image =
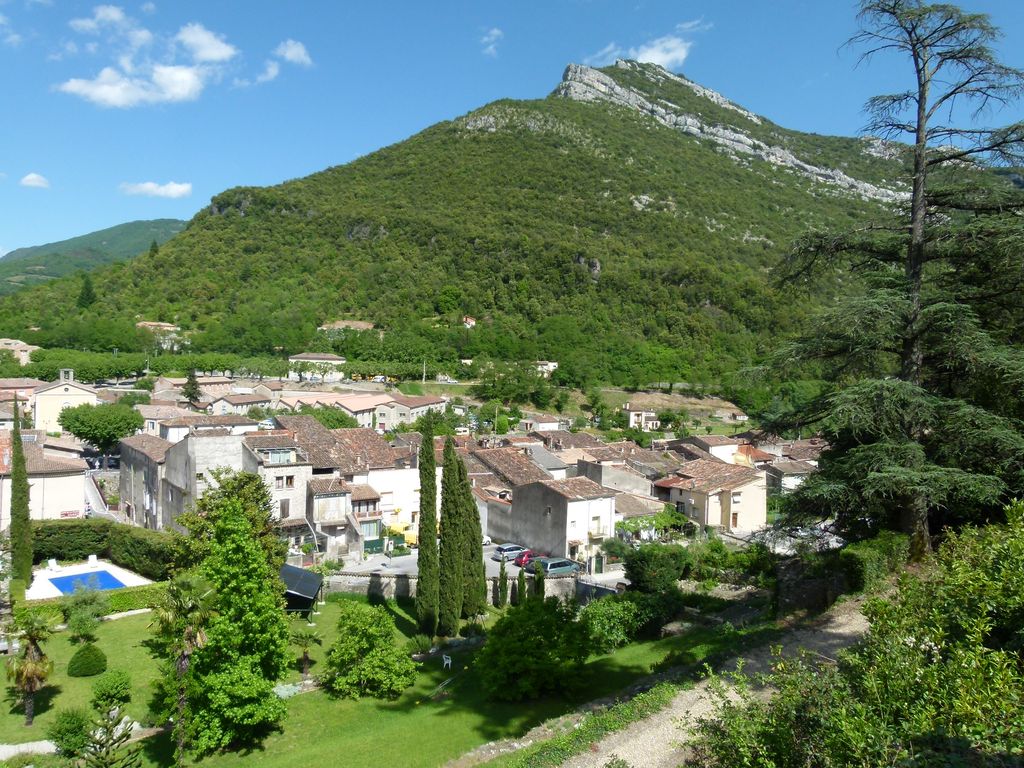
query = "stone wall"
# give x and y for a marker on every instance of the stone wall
(389, 586)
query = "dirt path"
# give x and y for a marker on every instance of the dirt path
(655, 742)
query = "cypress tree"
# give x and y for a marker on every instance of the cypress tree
(538, 580)
(21, 525)
(452, 552)
(521, 587)
(474, 579)
(191, 391)
(87, 295)
(427, 583)
(502, 586)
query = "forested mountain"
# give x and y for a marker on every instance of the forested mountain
(624, 226)
(39, 263)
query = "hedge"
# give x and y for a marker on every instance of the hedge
(866, 563)
(148, 553)
(119, 600)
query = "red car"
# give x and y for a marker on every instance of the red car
(527, 556)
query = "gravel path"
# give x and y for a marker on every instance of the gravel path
(655, 742)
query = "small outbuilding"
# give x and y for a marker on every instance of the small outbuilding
(302, 589)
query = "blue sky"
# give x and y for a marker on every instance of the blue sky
(141, 110)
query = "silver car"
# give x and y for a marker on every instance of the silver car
(507, 552)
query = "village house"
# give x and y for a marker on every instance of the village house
(20, 389)
(406, 409)
(164, 334)
(545, 367)
(540, 422)
(56, 482)
(563, 518)
(721, 447)
(285, 468)
(50, 399)
(714, 494)
(638, 418)
(468, 321)
(786, 475)
(153, 415)
(176, 429)
(21, 351)
(170, 387)
(236, 404)
(142, 475)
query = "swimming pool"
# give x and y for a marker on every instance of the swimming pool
(89, 580)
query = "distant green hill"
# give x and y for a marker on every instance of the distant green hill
(40, 263)
(623, 226)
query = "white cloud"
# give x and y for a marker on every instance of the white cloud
(149, 8)
(694, 25)
(669, 51)
(112, 88)
(293, 52)
(604, 57)
(490, 41)
(10, 37)
(35, 180)
(102, 16)
(271, 69)
(204, 45)
(171, 189)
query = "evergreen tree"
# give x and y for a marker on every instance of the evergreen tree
(922, 414)
(108, 739)
(21, 525)
(246, 650)
(538, 580)
(502, 586)
(87, 295)
(521, 587)
(474, 577)
(191, 391)
(452, 551)
(427, 584)
(154, 249)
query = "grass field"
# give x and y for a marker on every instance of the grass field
(424, 727)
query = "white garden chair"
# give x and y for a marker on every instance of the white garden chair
(447, 661)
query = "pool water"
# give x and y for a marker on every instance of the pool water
(90, 580)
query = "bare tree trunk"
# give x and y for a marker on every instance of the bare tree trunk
(30, 707)
(305, 664)
(179, 726)
(914, 523)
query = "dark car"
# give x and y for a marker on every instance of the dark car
(507, 552)
(555, 566)
(527, 556)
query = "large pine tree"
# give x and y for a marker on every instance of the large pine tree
(922, 351)
(474, 578)
(427, 583)
(452, 552)
(21, 525)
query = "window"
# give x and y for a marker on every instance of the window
(735, 520)
(572, 523)
(284, 508)
(199, 477)
(278, 483)
(736, 495)
(289, 481)
(547, 511)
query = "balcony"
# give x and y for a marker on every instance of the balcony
(597, 534)
(367, 514)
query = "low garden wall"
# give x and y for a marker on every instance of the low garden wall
(389, 585)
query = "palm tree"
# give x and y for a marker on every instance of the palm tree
(305, 639)
(31, 667)
(181, 618)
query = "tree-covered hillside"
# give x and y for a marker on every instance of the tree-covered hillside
(587, 233)
(39, 263)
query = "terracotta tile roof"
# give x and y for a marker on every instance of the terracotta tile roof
(512, 465)
(292, 522)
(790, 468)
(417, 401)
(364, 448)
(314, 438)
(804, 450)
(561, 439)
(322, 357)
(148, 445)
(21, 383)
(363, 493)
(36, 461)
(706, 441)
(707, 476)
(273, 386)
(754, 453)
(579, 489)
(324, 486)
(633, 505)
(265, 441)
(206, 420)
(56, 384)
(153, 412)
(242, 399)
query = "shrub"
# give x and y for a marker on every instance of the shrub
(88, 660)
(710, 558)
(365, 659)
(70, 731)
(17, 591)
(420, 644)
(472, 629)
(135, 598)
(866, 563)
(113, 689)
(611, 622)
(538, 647)
(656, 567)
(655, 610)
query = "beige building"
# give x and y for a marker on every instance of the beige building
(22, 352)
(51, 399)
(56, 484)
(712, 493)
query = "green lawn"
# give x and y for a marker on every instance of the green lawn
(121, 640)
(422, 728)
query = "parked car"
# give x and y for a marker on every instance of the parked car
(487, 540)
(555, 566)
(507, 552)
(527, 556)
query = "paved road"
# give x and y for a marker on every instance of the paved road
(408, 564)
